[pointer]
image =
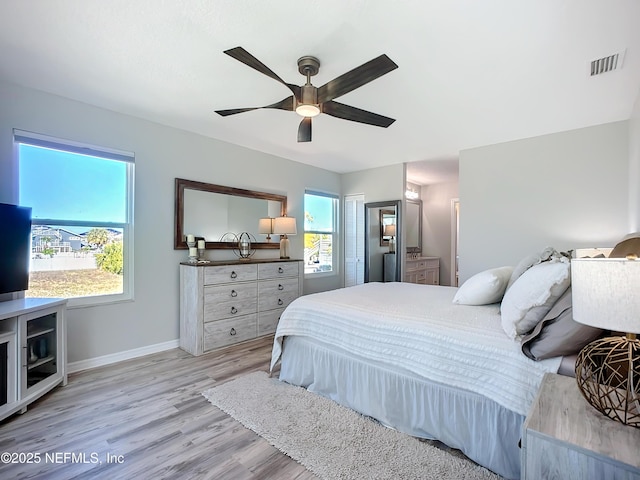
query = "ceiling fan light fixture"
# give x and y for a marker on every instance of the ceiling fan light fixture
(308, 110)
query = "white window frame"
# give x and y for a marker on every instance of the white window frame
(39, 140)
(334, 233)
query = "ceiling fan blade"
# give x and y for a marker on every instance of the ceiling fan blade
(245, 57)
(286, 104)
(304, 130)
(233, 111)
(346, 112)
(355, 78)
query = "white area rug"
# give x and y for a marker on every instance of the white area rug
(330, 440)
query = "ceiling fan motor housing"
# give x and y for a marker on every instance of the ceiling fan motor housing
(308, 95)
(308, 64)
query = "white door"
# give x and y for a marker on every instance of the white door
(353, 240)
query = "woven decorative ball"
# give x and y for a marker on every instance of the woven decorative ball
(608, 375)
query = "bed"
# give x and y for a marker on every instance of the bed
(409, 357)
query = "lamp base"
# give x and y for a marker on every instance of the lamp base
(608, 376)
(284, 247)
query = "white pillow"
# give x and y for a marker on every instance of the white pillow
(484, 287)
(532, 295)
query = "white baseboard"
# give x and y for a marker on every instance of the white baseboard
(120, 356)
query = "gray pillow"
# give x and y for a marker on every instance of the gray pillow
(558, 333)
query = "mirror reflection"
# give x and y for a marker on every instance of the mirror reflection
(381, 261)
(211, 215)
(209, 211)
(387, 217)
(413, 226)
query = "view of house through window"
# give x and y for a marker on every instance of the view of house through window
(81, 218)
(320, 218)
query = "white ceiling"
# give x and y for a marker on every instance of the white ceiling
(471, 73)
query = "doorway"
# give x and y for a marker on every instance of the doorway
(381, 264)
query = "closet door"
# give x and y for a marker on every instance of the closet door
(354, 240)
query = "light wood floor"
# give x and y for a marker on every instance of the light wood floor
(151, 412)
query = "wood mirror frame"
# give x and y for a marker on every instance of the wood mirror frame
(180, 240)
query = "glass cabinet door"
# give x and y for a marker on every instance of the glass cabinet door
(39, 341)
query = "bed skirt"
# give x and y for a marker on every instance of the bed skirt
(483, 430)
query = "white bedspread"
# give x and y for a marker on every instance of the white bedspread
(418, 328)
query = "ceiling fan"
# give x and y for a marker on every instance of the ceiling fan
(309, 101)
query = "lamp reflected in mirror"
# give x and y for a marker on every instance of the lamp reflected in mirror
(390, 231)
(265, 226)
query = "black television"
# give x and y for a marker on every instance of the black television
(15, 246)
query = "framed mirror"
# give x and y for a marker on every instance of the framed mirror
(209, 211)
(380, 265)
(413, 226)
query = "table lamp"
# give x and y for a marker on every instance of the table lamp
(390, 231)
(606, 294)
(265, 225)
(284, 226)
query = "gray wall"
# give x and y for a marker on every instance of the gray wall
(436, 225)
(566, 190)
(377, 185)
(162, 153)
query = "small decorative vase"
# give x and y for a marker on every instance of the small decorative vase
(33, 358)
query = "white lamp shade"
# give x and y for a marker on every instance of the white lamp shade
(265, 225)
(389, 230)
(284, 226)
(606, 293)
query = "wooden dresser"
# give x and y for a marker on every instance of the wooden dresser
(424, 270)
(222, 303)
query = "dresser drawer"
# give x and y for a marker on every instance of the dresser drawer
(227, 332)
(277, 270)
(277, 293)
(223, 301)
(268, 321)
(230, 274)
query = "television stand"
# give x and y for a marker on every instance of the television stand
(33, 355)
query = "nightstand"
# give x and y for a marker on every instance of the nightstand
(565, 438)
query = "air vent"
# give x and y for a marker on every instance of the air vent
(607, 64)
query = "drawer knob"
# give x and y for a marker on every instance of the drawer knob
(280, 270)
(232, 332)
(280, 302)
(234, 310)
(234, 293)
(234, 275)
(280, 287)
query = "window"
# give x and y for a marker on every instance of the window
(320, 220)
(82, 224)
